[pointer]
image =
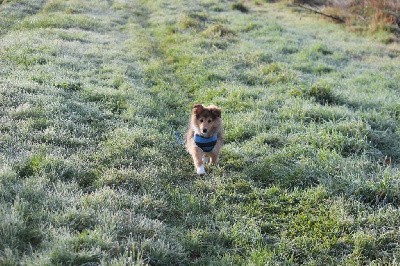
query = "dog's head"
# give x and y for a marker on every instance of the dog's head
(206, 120)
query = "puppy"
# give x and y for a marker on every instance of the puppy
(204, 138)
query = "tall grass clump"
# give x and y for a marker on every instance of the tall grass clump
(378, 17)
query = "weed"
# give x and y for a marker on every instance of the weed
(31, 166)
(241, 7)
(321, 93)
(218, 30)
(69, 86)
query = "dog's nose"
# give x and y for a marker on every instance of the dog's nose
(204, 130)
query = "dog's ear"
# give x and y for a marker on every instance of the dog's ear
(215, 111)
(198, 108)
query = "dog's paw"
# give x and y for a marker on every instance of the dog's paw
(206, 159)
(201, 170)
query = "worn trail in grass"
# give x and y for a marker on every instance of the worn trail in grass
(92, 92)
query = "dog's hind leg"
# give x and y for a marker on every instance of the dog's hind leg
(206, 159)
(214, 158)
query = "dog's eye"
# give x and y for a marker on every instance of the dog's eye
(201, 120)
(209, 120)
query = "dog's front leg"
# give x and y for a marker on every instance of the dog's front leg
(198, 161)
(215, 153)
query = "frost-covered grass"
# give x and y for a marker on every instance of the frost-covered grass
(92, 92)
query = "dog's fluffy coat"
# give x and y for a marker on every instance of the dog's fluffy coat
(205, 122)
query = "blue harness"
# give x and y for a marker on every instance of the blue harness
(206, 144)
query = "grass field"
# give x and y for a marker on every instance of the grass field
(92, 93)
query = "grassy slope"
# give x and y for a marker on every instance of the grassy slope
(91, 93)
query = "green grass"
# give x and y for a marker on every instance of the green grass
(92, 92)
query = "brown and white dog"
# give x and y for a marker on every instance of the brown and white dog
(204, 138)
